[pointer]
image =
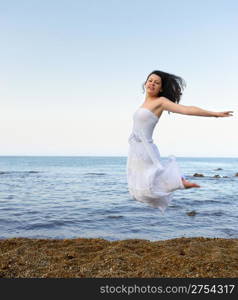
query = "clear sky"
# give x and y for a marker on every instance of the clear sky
(72, 71)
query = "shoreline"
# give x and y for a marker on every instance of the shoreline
(131, 258)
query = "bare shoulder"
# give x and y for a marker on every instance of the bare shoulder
(169, 105)
(163, 100)
(152, 104)
(155, 106)
(158, 102)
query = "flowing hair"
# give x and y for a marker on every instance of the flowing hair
(172, 85)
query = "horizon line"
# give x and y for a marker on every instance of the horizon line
(59, 155)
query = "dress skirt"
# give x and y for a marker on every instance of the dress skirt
(149, 179)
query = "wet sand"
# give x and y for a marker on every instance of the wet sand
(99, 258)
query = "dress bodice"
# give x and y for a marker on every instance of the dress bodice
(144, 121)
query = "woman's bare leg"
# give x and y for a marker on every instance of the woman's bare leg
(187, 184)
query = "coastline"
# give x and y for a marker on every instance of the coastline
(132, 258)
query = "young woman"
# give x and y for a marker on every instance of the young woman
(150, 180)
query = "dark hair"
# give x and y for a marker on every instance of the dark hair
(172, 85)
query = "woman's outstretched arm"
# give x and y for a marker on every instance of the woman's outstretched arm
(191, 110)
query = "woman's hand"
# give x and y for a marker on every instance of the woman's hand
(223, 114)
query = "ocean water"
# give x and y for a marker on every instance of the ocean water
(72, 197)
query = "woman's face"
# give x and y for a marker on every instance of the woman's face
(153, 85)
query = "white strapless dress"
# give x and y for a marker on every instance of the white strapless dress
(150, 180)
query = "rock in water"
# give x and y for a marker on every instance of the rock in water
(191, 213)
(198, 175)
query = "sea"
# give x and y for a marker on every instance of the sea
(61, 197)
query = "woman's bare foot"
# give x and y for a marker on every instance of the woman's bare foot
(187, 184)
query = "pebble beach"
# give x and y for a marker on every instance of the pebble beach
(132, 258)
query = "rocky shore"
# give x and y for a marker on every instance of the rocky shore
(99, 258)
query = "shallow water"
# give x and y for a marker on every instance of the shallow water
(70, 197)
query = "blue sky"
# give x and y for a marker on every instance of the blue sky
(72, 71)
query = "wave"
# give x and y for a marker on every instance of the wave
(114, 217)
(18, 172)
(95, 174)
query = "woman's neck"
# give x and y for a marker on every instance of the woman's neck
(150, 98)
